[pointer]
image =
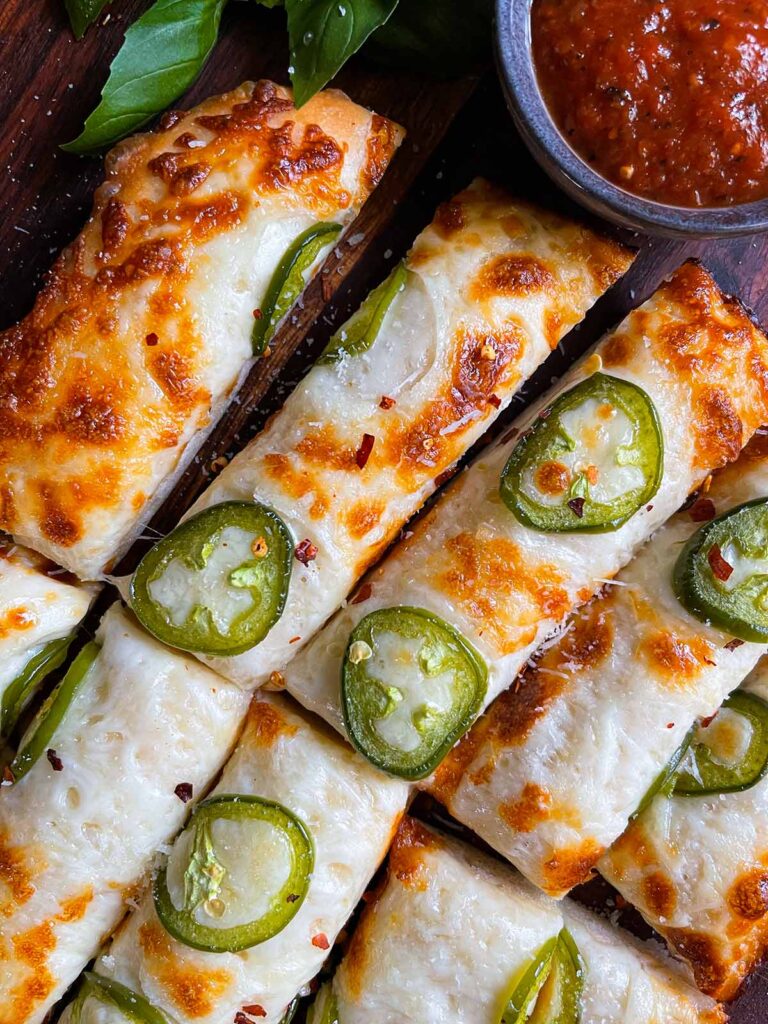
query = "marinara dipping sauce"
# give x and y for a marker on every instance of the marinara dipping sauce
(666, 98)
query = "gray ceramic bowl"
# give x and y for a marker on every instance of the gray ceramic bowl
(577, 178)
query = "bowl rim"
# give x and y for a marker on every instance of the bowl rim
(514, 57)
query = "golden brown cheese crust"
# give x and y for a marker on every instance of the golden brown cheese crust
(104, 382)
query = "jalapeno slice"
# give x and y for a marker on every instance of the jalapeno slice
(236, 876)
(217, 583)
(289, 279)
(665, 780)
(410, 686)
(325, 1009)
(721, 575)
(39, 736)
(130, 1004)
(549, 990)
(589, 463)
(361, 330)
(290, 1011)
(730, 753)
(21, 690)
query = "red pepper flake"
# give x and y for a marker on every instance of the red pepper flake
(495, 401)
(721, 569)
(576, 505)
(240, 1018)
(670, 725)
(305, 552)
(363, 594)
(387, 402)
(292, 897)
(54, 760)
(363, 453)
(151, 339)
(184, 792)
(649, 508)
(321, 941)
(8, 776)
(294, 640)
(733, 644)
(702, 510)
(708, 720)
(257, 314)
(255, 1010)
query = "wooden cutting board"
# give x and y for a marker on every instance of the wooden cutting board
(456, 130)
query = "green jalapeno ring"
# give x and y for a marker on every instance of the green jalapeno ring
(550, 988)
(361, 330)
(362, 696)
(739, 612)
(325, 1008)
(559, 1001)
(181, 922)
(21, 690)
(526, 987)
(714, 778)
(290, 1010)
(287, 281)
(50, 716)
(129, 1003)
(665, 780)
(192, 542)
(547, 439)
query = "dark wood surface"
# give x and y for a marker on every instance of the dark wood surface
(49, 82)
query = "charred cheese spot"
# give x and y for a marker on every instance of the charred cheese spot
(266, 724)
(451, 771)
(618, 348)
(704, 954)
(571, 866)
(678, 660)
(114, 225)
(18, 869)
(512, 275)
(605, 259)
(552, 478)
(175, 376)
(17, 620)
(297, 483)
(659, 894)
(90, 419)
(484, 364)
(323, 448)
(31, 949)
(718, 428)
(56, 523)
(361, 518)
(491, 581)
(587, 643)
(748, 895)
(193, 990)
(380, 145)
(530, 809)
(406, 858)
(449, 219)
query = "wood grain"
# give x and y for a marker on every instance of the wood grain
(48, 83)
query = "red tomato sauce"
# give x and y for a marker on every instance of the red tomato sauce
(666, 98)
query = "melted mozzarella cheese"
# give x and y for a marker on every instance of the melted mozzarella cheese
(35, 608)
(506, 587)
(148, 315)
(618, 692)
(428, 360)
(452, 930)
(83, 837)
(350, 811)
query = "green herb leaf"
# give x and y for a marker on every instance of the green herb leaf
(83, 13)
(163, 53)
(444, 37)
(323, 34)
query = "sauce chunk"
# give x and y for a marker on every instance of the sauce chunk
(666, 98)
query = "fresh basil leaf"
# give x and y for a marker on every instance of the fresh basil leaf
(323, 34)
(163, 53)
(444, 37)
(83, 13)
